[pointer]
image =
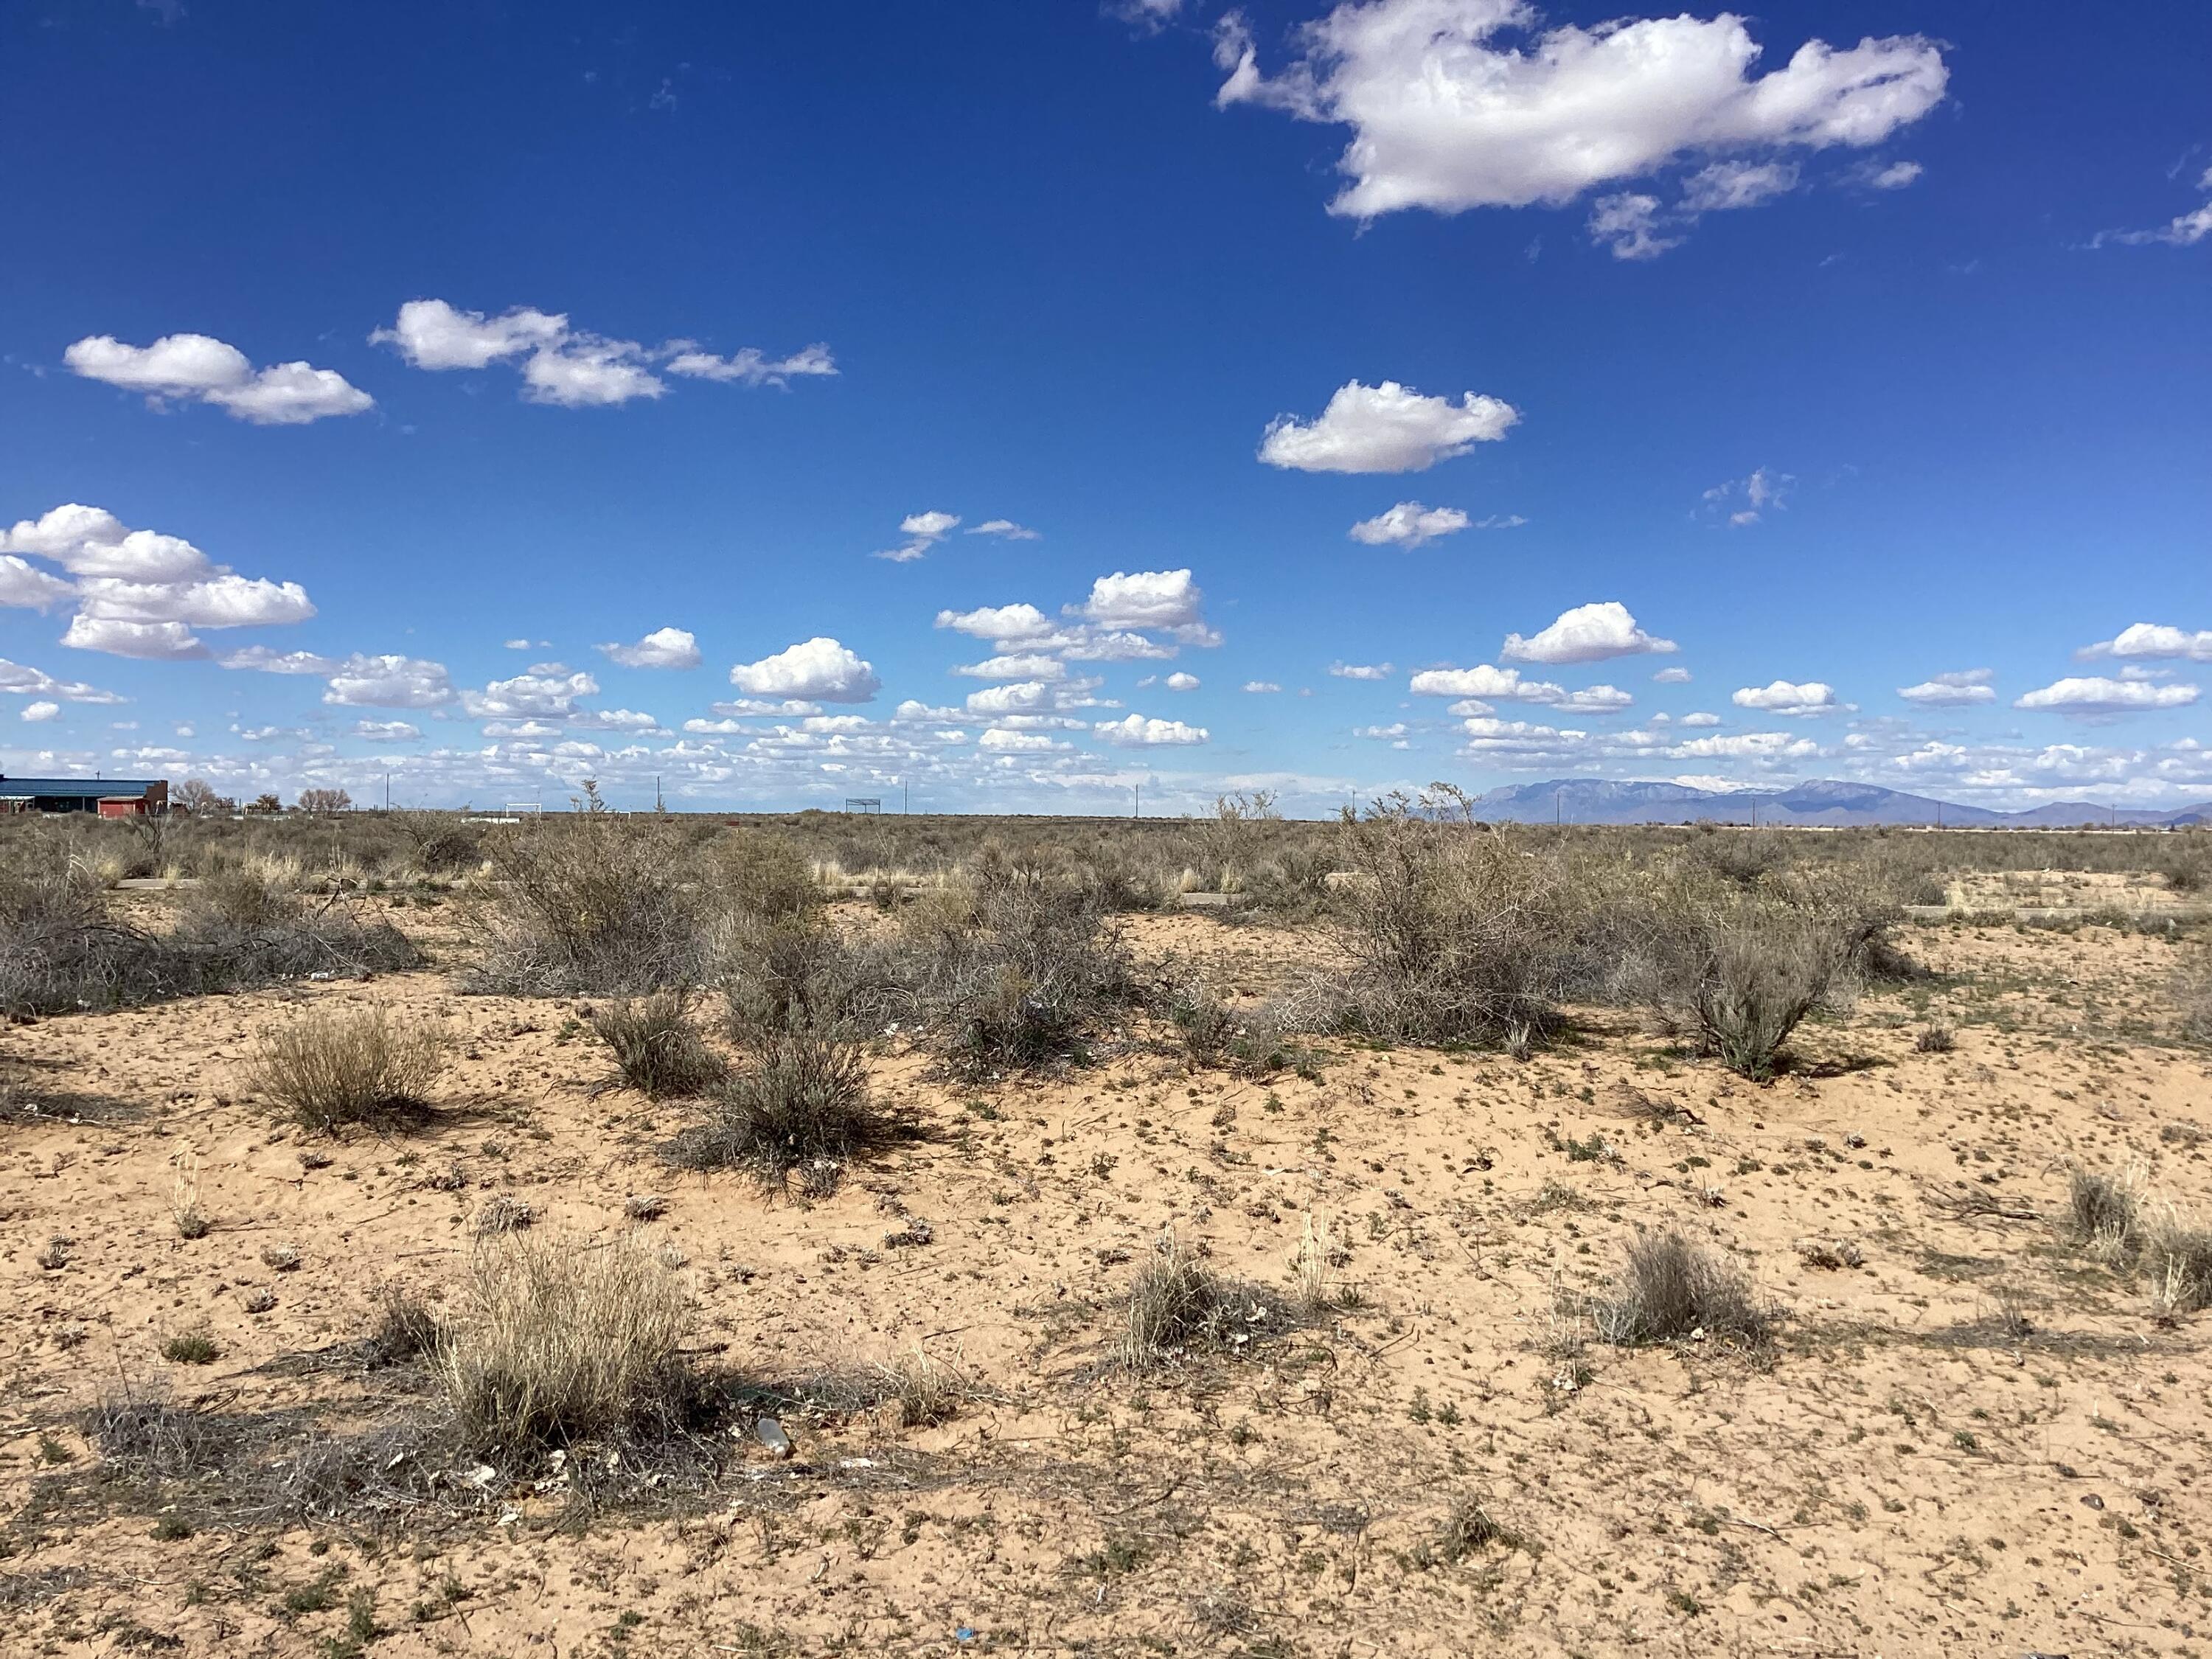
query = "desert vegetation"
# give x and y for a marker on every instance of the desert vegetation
(1479, 1230)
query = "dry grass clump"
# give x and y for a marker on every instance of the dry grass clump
(656, 1047)
(1454, 929)
(2192, 997)
(928, 1390)
(1470, 1528)
(1177, 1304)
(1936, 1040)
(1670, 1288)
(2177, 1255)
(591, 901)
(558, 1342)
(404, 1329)
(798, 1108)
(2104, 1215)
(1013, 969)
(326, 1069)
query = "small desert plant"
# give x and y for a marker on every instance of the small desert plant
(1470, 1528)
(1669, 1288)
(328, 1069)
(657, 1046)
(798, 1106)
(1204, 1023)
(403, 1329)
(1936, 1040)
(190, 1348)
(558, 1341)
(2177, 1256)
(1177, 1303)
(1309, 1267)
(184, 1197)
(2103, 1214)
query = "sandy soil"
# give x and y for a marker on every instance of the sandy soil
(1907, 1473)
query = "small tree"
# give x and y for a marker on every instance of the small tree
(198, 797)
(324, 800)
(266, 803)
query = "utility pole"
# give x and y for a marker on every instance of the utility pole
(387, 792)
(1140, 811)
(902, 788)
(1559, 808)
(658, 804)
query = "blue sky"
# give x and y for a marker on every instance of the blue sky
(1659, 401)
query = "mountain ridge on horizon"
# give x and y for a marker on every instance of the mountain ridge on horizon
(1821, 802)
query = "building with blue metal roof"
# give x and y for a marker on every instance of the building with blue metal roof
(111, 797)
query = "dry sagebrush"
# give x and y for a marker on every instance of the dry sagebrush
(328, 1069)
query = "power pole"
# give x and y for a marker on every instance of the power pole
(1140, 811)
(1559, 808)
(387, 792)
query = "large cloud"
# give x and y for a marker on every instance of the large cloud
(1458, 104)
(138, 592)
(197, 367)
(1385, 429)
(1589, 633)
(819, 669)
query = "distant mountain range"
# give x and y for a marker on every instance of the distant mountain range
(1825, 801)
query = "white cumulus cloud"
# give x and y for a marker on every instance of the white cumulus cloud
(572, 368)
(389, 682)
(1459, 104)
(1589, 633)
(1387, 427)
(664, 647)
(1960, 690)
(1143, 599)
(2154, 640)
(199, 369)
(41, 711)
(2098, 695)
(1788, 697)
(820, 670)
(1409, 524)
(1136, 732)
